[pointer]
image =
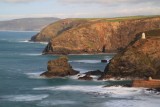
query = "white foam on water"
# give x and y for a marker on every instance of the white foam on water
(35, 75)
(136, 101)
(24, 41)
(75, 77)
(81, 70)
(56, 102)
(45, 43)
(87, 61)
(26, 98)
(112, 91)
(27, 41)
(32, 54)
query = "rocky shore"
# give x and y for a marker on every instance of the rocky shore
(139, 62)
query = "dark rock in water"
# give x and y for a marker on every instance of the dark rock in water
(140, 59)
(97, 72)
(86, 77)
(104, 61)
(156, 90)
(59, 68)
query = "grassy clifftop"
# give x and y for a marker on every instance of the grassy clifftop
(94, 35)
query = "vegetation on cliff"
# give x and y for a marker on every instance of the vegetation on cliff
(93, 35)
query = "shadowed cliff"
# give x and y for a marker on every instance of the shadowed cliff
(140, 59)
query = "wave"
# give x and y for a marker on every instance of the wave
(28, 41)
(32, 54)
(86, 61)
(81, 70)
(56, 102)
(95, 89)
(75, 77)
(143, 99)
(35, 75)
(123, 96)
(26, 98)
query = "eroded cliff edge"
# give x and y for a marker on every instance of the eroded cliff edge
(140, 59)
(74, 36)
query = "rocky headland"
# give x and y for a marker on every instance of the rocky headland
(76, 36)
(26, 24)
(139, 60)
(59, 68)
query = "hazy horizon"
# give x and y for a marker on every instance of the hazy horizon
(15, 9)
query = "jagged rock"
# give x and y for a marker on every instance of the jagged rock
(86, 77)
(141, 59)
(97, 72)
(59, 68)
(76, 36)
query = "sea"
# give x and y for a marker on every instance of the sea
(21, 63)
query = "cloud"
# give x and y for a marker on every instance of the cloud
(19, 1)
(109, 2)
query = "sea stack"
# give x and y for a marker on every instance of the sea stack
(59, 68)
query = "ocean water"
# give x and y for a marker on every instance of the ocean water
(21, 63)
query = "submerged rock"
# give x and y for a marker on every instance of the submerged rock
(59, 68)
(141, 59)
(104, 61)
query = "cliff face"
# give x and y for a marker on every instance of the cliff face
(55, 29)
(141, 59)
(93, 35)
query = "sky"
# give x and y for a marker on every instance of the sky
(14, 9)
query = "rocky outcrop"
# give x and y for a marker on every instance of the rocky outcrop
(73, 36)
(140, 59)
(59, 68)
(86, 77)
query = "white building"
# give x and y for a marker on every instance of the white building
(143, 36)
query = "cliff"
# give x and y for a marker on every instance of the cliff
(55, 29)
(140, 59)
(26, 24)
(71, 36)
